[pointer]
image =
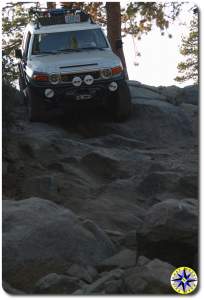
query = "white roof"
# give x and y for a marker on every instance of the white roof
(61, 27)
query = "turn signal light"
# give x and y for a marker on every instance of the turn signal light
(40, 77)
(116, 70)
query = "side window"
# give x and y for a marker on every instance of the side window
(27, 42)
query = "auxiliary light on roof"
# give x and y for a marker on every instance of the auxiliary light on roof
(45, 17)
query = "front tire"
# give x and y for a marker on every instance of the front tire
(35, 108)
(22, 88)
(120, 103)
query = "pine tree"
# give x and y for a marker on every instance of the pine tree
(14, 19)
(188, 69)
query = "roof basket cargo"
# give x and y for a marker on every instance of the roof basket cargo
(45, 17)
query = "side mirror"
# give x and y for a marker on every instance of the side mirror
(18, 53)
(118, 44)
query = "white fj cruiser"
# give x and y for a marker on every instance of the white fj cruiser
(66, 60)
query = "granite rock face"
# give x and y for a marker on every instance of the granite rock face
(121, 206)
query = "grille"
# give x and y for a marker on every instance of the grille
(68, 77)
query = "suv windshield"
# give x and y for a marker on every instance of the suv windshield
(68, 41)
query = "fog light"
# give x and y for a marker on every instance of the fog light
(113, 86)
(49, 93)
(76, 81)
(88, 79)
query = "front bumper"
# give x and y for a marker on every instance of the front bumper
(67, 94)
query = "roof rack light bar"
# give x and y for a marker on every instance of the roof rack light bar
(45, 17)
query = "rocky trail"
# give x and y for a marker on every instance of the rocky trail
(96, 207)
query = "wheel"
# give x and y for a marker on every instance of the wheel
(119, 104)
(22, 87)
(35, 108)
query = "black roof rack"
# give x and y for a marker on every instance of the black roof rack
(45, 17)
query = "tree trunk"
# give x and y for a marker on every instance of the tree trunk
(114, 30)
(51, 5)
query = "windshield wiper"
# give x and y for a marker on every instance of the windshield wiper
(91, 48)
(45, 52)
(69, 50)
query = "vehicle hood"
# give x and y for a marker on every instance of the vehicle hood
(74, 61)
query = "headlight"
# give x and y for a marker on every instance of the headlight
(49, 93)
(76, 81)
(106, 73)
(113, 86)
(88, 79)
(54, 78)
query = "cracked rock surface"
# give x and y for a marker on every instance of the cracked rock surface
(93, 202)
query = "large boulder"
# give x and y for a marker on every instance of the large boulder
(159, 122)
(172, 220)
(40, 237)
(170, 91)
(143, 91)
(189, 94)
(170, 232)
(151, 278)
(126, 258)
